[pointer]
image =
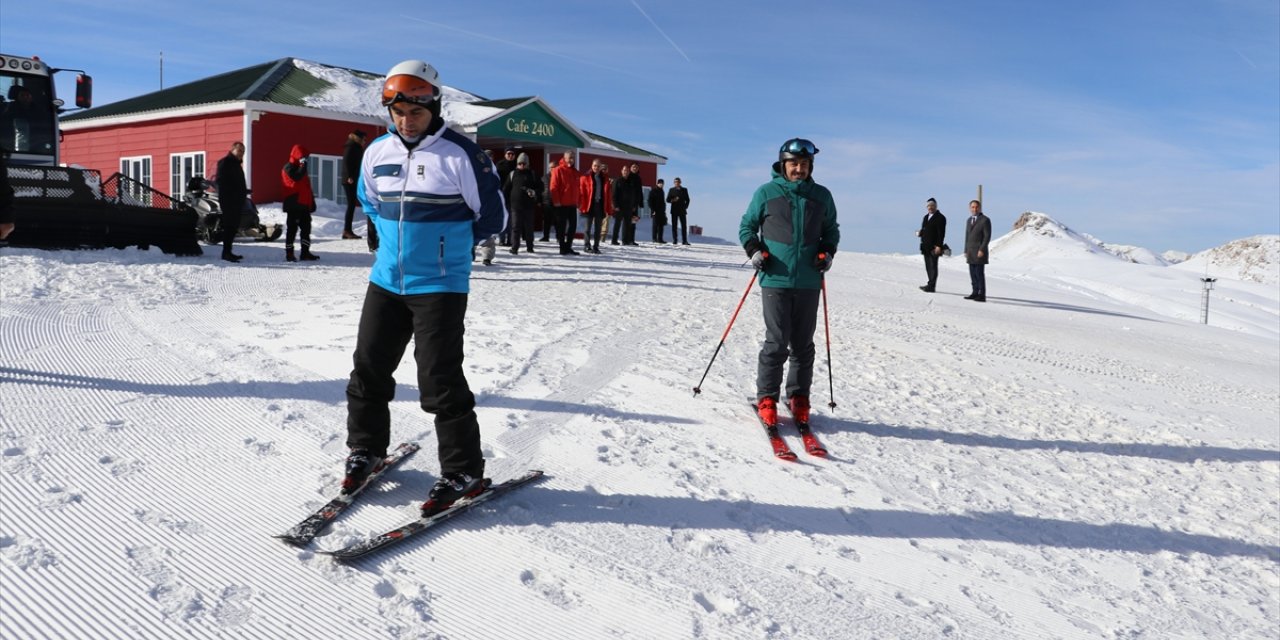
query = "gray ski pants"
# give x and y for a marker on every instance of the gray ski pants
(790, 318)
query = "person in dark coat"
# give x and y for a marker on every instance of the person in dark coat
(352, 154)
(232, 191)
(678, 198)
(523, 190)
(658, 209)
(505, 166)
(977, 236)
(932, 233)
(627, 194)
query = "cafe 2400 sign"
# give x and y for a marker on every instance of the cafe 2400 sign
(535, 128)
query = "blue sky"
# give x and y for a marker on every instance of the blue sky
(1147, 123)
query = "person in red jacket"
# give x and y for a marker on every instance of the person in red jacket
(595, 201)
(564, 200)
(299, 202)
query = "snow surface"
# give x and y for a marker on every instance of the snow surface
(1077, 458)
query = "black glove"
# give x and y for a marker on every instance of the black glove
(759, 258)
(823, 261)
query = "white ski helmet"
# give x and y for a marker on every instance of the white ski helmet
(411, 81)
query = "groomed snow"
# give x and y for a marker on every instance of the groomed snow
(1076, 458)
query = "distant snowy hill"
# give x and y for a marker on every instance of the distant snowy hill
(1254, 259)
(1039, 236)
(1036, 235)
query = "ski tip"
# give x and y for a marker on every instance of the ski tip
(293, 541)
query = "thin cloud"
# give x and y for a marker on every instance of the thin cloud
(659, 30)
(519, 45)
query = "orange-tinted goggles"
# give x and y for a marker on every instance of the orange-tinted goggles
(406, 88)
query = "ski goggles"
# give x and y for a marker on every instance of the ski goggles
(406, 88)
(799, 147)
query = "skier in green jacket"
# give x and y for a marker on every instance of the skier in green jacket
(791, 234)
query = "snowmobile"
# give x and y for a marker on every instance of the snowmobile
(202, 196)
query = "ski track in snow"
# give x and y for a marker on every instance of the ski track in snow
(1048, 465)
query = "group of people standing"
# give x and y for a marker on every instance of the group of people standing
(299, 201)
(977, 237)
(596, 198)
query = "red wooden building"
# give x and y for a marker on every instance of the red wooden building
(164, 138)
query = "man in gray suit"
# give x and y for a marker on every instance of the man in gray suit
(977, 236)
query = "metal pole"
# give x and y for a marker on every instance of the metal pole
(1204, 299)
(831, 385)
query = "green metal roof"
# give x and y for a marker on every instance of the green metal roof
(505, 103)
(623, 146)
(249, 83)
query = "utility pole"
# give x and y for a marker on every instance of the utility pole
(979, 197)
(162, 70)
(1204, 298)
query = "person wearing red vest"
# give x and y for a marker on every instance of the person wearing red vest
(299, 203)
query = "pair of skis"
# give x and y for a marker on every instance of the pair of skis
(781, 449)
(301, 534)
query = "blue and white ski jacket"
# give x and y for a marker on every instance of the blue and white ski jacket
(430, 206)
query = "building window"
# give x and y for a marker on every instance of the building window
(182, 168)
(326, 178)
(139, 170)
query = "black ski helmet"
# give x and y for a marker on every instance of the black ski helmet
(797, 148)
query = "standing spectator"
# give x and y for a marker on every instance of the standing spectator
(637, 195)
(565, 184)
(791, 233)
(932, 234)
(232, 191)
(523, 191)
(548, 211)
(6, 195)
(625, 204)
(658, 210)
(299, 203)
(678, 197)
(420, 281)
(976, 238)
(352, 154)
(505, 166)
(595, 201)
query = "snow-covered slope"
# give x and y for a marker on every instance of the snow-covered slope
(1060, 462)
(1037, 235)
(1254, 259)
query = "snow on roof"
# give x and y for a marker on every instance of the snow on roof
(358, 92)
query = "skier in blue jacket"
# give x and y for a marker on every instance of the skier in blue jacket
(431, 193)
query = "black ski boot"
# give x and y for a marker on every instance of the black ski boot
(360, 463)
(450, 488)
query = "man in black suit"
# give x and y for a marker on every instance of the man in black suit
(232, 191)
(932, 233)
(977, 236)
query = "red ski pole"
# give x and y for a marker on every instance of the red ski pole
(698, 389)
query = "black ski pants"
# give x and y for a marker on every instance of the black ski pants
(790, 318)
(931, 268)
(349, 217)
(230, 224)
(296, 223)
(679, 224)
(435, 322)
(566, 226)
